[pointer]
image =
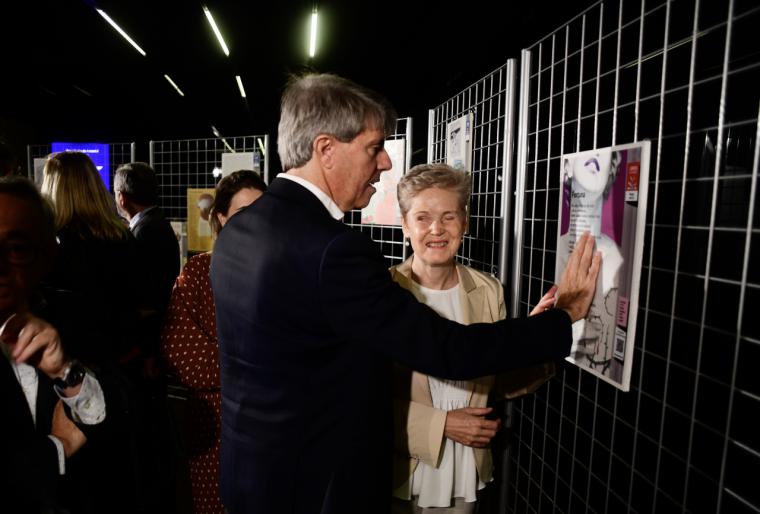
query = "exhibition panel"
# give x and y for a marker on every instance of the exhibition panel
(681, 76)
(186, 168)
(473, 131)
(106, 156)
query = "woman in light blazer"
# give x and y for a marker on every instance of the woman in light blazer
(441, 426)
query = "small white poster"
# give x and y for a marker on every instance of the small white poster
(604, 192)
(459, 143)
(383, 207)
(232, 162)
(39, 170)
(180, 232)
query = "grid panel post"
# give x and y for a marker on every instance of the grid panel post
(522, 165)
(507, 194)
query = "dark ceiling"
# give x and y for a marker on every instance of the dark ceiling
(67, 75)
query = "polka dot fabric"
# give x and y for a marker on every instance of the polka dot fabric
(189, 345)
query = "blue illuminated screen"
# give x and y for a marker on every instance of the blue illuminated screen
(96, 151)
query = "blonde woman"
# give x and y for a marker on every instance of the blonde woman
(94, 272)
(442, 432)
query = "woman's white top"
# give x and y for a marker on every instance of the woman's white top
(457, 474)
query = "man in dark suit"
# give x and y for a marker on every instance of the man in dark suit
(136, 190)
(309, 320)
(42, 389)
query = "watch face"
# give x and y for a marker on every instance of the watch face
(75, 376)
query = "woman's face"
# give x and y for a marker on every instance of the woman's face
(242, 198)
(592, 170)
(434, 225)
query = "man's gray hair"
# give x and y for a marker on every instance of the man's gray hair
(138, 180)
(434, 175)
(315, 104)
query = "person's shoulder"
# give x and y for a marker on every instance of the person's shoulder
(479, 277)
(198, 264)
(350, 246)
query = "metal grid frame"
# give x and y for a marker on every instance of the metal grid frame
(389, 237)
(118, 154)
(184, 163)
(486, 244)
(681, 440)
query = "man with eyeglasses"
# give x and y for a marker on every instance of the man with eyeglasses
(51, 403)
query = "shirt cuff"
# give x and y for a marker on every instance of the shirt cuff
(89, 406)
(61, 454)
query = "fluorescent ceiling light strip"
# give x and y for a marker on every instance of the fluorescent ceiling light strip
(227, 145)
(216, 31)
(175, 86)
(240, 85)
(261, 145)
(313, 36)
(120, 31)
(218, 135)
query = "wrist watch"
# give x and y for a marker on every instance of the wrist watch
(73, 375)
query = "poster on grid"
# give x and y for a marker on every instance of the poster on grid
(459, 143)
(383, 208)
(604, 192)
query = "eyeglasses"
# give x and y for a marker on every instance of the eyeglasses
(18, 253)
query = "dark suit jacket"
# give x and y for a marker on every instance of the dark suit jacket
(159, 253)
(29, 469)
(158, 258)
(308, 321)
(96, 476)
(93, 287)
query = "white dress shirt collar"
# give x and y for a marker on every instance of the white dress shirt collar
(137, 217)
(328, 202)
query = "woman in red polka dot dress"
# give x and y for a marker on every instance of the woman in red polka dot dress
(190, 347)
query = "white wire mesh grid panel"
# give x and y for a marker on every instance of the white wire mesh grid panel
(389, 237)
(487, 100)
(190, 163)
(683, 439)
(118, 154)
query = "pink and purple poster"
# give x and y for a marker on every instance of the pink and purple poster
(604, 192)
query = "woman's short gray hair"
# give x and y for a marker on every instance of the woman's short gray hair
(315, 104)
(425, 176)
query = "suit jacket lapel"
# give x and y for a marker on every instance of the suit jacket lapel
(46, 400)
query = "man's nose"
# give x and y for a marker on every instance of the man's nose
(384, 161)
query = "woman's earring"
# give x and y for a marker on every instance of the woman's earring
(406, 241)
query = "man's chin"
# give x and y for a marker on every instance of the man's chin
(364, 199)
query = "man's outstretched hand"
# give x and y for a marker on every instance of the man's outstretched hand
(575, 291)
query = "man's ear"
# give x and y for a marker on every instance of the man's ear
(323, 149)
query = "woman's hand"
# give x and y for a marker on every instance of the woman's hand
(469, 426)
(546, 302)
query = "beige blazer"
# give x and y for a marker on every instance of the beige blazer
(418, 426)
